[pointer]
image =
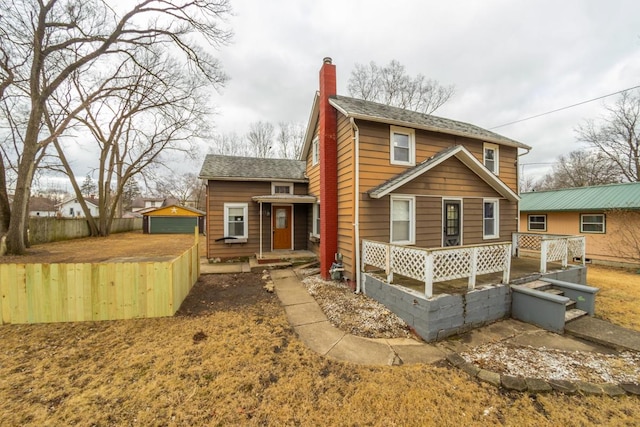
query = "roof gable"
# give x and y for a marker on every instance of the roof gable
(174, 210)
(602, 197)
(457, 151)
(233, 168)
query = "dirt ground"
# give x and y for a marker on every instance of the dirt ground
(229, 357)
(100, 249)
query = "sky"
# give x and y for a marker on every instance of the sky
(508, 60)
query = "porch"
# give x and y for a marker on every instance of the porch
(445, 291)
(457, 270)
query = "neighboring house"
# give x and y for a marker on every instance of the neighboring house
(42, 207)
(608, 216)
(144, 203)
(70, 208)
(367, 171)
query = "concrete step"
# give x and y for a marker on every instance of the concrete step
(573, 314)
(554, 291)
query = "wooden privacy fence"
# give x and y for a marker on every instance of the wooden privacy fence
(41, 293)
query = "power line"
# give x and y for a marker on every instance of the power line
(565, 108)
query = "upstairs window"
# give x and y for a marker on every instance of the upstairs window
(592, 223)
(490, 224)
(235, 220)
(403, 150)
(537, 223)
(491, 157)
(315, 151)
(281, 188)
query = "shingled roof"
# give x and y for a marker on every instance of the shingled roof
(373, 111)
(232, 168)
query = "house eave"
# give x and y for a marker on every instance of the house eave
(293, 199)
(402, 123)
(255, 179)
(311, 126)
(468, 160)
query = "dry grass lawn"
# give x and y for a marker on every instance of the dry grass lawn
(231, 358)
(619, 298)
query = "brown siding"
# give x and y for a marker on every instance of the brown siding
(428, 222)
(313, 173)
(300, 233)
(612, 246)
(375, 167)
(345, 193)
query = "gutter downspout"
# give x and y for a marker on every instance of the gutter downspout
(356, 224)
(260, 229)
(518, 176)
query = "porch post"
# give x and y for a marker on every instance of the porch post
(474, 269)
(260, 204)
(514, 244)
(543, 255)
(507, 269)
(428, 275)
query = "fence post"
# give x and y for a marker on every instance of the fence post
(583, 244)
(474, 268)
(514, 244)
(543, 255)
(507, 270)
(565, 253)
(428, 275)
(389, 264)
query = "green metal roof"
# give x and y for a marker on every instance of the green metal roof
(603, 197)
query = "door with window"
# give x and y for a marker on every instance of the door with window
(282, 227)
(452, 226)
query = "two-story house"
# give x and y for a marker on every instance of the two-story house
(367, 171)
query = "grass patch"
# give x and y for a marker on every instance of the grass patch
(619, 298)
(230, 362)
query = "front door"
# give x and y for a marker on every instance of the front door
(451, 223)
(281, 227)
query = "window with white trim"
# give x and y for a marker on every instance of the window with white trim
(316, 220)
(490, 220)
(537, 223)
(315, 151)
(236, 221)
(403, 224)
(491, 157)
(281, 188)
(403, 146)
(592, 223)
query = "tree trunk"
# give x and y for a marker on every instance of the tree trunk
(5, 208)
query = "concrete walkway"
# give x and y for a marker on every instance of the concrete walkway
(605, 333)
(314, 329)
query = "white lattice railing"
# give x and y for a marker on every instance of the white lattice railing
(440, 264)
(552, 247)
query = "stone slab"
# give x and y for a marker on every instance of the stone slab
(604, 333)
(320, 337)
(303, 314)
(419, 353)
(362, 351)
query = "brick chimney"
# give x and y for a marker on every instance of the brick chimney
(328, 169)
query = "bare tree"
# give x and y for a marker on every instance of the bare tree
(187, 188)
(617, 135)
(158, 110)
(230, 144)
(48, 42)
(392, 86)
(580, 168)
(260, 138)
(289, 139)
